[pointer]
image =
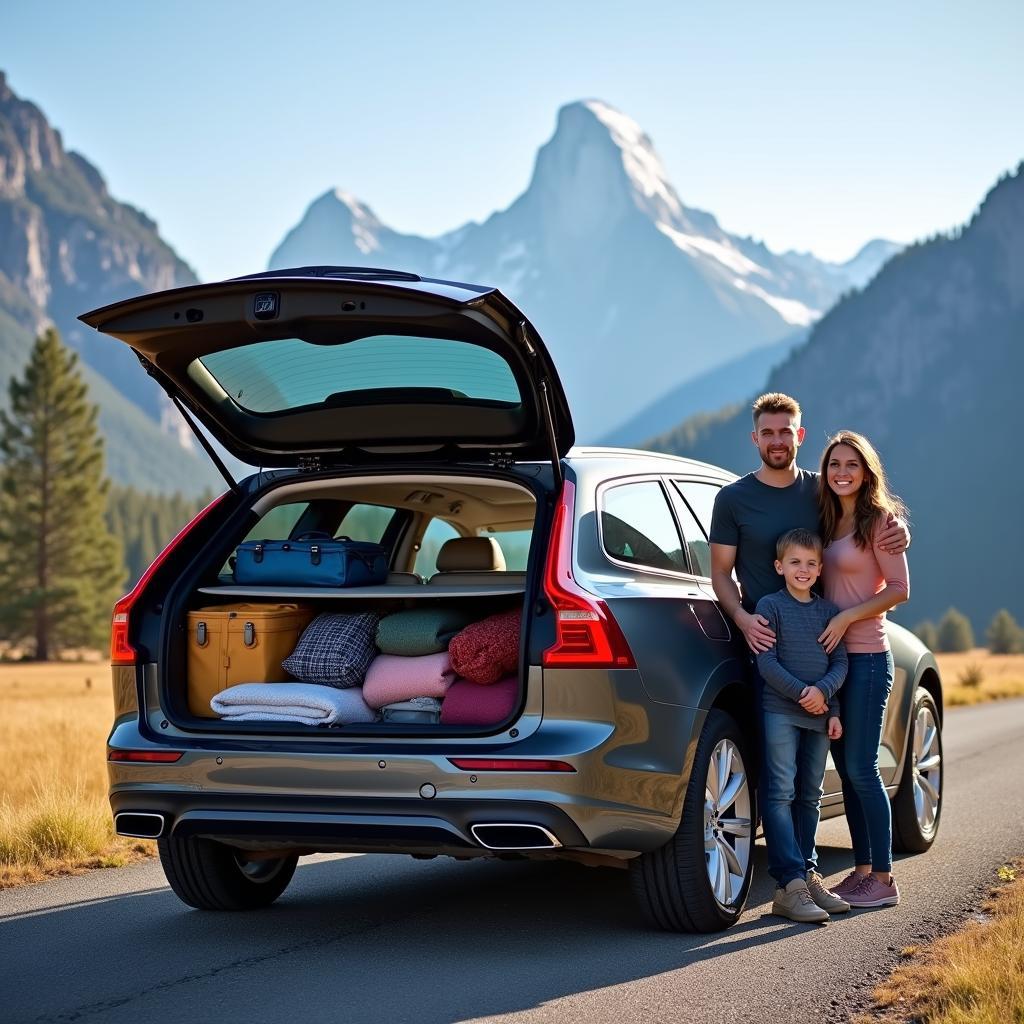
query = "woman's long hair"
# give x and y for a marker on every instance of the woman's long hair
(874, 499)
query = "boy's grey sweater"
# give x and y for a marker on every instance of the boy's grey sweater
(797, 659)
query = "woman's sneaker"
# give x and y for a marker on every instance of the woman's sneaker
(825, 898)
(795, 903)
(873, 893)
(847, 885)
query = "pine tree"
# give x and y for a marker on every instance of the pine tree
(60, 567)
(1004, 635)
(955, 633)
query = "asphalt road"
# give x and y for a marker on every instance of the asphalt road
(372, 938)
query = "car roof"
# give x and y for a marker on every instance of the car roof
(655, 462)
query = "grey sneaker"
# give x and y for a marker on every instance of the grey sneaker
(873, 893)
(795, 902)
(825, 898)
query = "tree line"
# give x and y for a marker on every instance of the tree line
(954, 633)
(70, 542)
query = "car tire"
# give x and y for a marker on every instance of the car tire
(675, 885)
(917, 805)
(208, 875)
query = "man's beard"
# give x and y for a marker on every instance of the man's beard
(778, 460)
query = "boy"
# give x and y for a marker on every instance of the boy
(801, 682)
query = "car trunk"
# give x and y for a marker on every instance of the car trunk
(476, 502)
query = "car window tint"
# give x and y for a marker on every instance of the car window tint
(700, 497)
(437, 532)
(696, 542)
(293, 373)
(365, 522)
(638, 527)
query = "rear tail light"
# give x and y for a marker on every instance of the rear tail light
(121, 650)
(509, 764)
(586, 633)
(146, 756)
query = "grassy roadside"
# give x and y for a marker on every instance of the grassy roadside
(977, 676)
(54, 816)
(974, 976)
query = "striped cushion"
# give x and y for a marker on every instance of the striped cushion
(334, 650)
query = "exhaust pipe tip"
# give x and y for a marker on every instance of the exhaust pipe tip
(139, 824)
(514, 836)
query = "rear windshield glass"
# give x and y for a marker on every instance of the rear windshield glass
(272, 376)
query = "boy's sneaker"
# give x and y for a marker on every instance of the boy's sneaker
(873, 893)
(826, 899)
(847, 885)
(795, 902)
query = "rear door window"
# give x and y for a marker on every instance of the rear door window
(515, 546)
(366, 522)
(437, 532)
(637, 527)
(700, 496)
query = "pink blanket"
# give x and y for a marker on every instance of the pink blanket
(472, 704)
(392, 678)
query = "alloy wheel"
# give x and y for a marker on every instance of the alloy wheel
(927, 770)
(728, 829)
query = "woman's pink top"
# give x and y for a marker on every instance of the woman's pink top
(854, 575)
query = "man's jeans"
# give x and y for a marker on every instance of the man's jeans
(794, 767)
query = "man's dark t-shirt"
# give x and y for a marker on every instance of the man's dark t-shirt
(751, 516)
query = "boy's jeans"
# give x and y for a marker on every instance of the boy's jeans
(794, 753)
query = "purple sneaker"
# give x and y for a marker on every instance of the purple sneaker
(870, 892)
(848, 884)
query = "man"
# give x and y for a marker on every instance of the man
(753, 512)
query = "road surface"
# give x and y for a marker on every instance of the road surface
(390, 939)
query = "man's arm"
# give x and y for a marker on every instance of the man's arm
(894, 537)
(755, 628)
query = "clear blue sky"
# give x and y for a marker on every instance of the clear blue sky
(808, 125)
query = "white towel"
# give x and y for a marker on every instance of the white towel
(307, 703)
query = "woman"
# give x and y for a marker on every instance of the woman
(864, 582)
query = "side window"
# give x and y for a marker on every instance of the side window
(437, 532)
(365, 522)
(701, 499)
(696, 542)
(515, 546)
(637, 527)
(278, 523)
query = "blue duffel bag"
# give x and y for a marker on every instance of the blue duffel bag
(311, 560)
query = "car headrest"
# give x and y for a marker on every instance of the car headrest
(470, 554)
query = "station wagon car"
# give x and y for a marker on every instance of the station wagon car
(427, 416)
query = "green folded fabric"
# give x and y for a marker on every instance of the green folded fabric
(419, 631)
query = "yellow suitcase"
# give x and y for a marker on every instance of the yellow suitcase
(239, 643)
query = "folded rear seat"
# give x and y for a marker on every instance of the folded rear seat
(473, 561)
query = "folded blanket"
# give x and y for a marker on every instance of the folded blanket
(307, 703)
(419, 631)
(391, 679)
(488, 650)
(472, 704)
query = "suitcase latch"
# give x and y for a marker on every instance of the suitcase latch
(249, 635)
(314, 554)
(258, 553)
(202, 636)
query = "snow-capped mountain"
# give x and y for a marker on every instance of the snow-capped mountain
(633, 291)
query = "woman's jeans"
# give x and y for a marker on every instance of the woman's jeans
(862, 707)
(794, 765)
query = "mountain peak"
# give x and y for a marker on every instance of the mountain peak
(601, 158)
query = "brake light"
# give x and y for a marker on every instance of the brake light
(586, 633)
(147, 756)
(509, 764)
(121, 650)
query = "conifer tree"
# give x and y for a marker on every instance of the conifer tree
(60, 567)
(1004, 635)
(955, 633)
(927, 634)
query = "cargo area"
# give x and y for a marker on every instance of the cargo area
(436, 642)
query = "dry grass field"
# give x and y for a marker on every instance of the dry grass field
(54, 816)
(977, 676)
(54, 720)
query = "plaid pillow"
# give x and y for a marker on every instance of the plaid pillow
(335, 650)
